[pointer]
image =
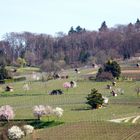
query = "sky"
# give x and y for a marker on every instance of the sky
(52, 16)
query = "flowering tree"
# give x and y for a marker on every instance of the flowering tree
(6, 113)
(58, 112)
(67, 85)
(15, 133)
(49, 111)
(39, 111)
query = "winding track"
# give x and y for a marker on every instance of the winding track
(126, 119)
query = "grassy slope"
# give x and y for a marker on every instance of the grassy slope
(79, 121)
(73, 101)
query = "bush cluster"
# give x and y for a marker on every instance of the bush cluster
(109, 71)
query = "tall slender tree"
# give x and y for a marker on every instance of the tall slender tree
(103, 26)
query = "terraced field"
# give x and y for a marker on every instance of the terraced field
(89, 131)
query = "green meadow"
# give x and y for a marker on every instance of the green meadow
(78, 122)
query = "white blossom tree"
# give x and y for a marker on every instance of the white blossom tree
(15, 133)
(58, 112)
(39, 111)
(49, 111)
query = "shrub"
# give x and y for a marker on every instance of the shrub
(56, 92)
(104, 76)
(73, 84)
(58, 112)
(15, 133)
(95, 99)
(6, 113)
(113, 67)
(110, 70)
(28, 129)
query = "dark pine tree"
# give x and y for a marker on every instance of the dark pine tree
(113, 67)
(103, 27)
(71, 31)
(137, 24)
(95, 99)
(79, 29)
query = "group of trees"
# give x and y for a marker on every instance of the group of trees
(109, 71)
(78, 47)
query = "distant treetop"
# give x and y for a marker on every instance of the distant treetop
(103, 27)
(78, 29)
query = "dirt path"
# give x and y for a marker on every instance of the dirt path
(130, 71)
(123, 71)
(135, 119)
(126, 119)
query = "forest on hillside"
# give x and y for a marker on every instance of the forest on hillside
(78, 47)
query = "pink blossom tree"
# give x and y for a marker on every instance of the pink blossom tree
(67, 85)
(6, 113)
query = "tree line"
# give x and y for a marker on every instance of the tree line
(78, 47)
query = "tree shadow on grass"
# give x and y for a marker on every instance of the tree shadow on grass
(4, 94)
(81, 109)
(44, 124)
(87, 108)
(37, 124)
(4, 123)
